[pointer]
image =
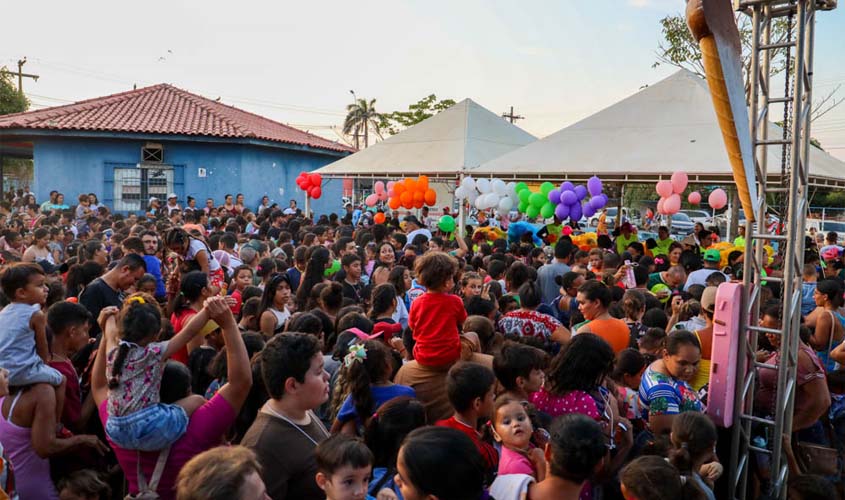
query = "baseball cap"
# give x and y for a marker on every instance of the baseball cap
(153, 198)
(708, 298)
(712, 256)
(830, 254)
(47, 266)
(172, 195)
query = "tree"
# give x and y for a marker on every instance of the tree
(11, 101)
(678, 48)
(360, 117)
(423, 109)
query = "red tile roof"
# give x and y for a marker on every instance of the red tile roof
(164, 109)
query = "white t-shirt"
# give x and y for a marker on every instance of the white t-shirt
(198, 246)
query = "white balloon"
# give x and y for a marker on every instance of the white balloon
(461, 192)
(468, 183)
(505, 204)
(479, 203)
(472, 196)
(483, 185)
(511, 189)
(499, 187)
(494, 199)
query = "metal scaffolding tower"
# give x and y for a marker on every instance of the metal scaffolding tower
(790, 184)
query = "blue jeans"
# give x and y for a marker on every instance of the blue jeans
(150, 429)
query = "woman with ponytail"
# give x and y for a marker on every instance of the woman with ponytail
(693, 451)
(134, 367)
(195, 252)
(193, 291)
(369, 366)
(318, 261)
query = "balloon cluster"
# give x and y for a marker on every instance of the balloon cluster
(487, 193)
(567, 201)
(382, 193)
(670, 192)
(410, 193)
(310, 183)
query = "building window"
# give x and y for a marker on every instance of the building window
(152, 153)
(133, 187)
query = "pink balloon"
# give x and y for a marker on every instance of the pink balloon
(672, 204)
(664, 188)
(382, 196)
(371, 200)
(379, 187)
(390, 185)
(679, 182)
(718, 199)
(660, 204)
(694, 198)
(391, 193)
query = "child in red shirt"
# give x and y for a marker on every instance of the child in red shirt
(435, 316)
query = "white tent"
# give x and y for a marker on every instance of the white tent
(456, 139)
(666, 127)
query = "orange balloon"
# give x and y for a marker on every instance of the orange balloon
(410, 185)
(423, 182)
(430, 197)
(379, 218)
(419, 196)
(398, 188)
(394, 203)
(407, 199)
(418, 203)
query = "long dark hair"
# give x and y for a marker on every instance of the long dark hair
(267, 298)
(693, 436)
(140, 322)
(363, 372)
(444, 462)
(388, 427)
(317, 262)
(581, 365)
(382, 299)
(88, 249)
(397, 279)
(190, 289)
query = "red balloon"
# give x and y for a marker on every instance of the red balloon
(379, 218)
(315, 192)
(316, 179)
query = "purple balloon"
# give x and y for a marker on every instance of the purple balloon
(580, 192)
(554, 196)
(562, 211)
(599, 201)
(594, 186)
(575, 212)
(567, 186)
(568, 198)
(589, 211)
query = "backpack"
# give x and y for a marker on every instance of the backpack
(147, 491)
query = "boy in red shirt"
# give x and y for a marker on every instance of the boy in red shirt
(435, 316)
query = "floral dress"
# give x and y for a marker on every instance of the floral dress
(661, 394)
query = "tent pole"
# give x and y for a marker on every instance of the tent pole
(307, 206)
(618, 222)
(461, 212)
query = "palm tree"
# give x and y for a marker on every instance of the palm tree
(362, 116)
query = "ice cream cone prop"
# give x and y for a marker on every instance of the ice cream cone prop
(712, 24)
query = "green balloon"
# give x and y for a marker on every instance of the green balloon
(546, 188)
(538, 200)
(334, 268)
(532, 211)
(524, 195)
(520, 186)
(547, 211)
(446, 224)
(523, 206)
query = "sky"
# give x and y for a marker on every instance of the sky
(555, 62)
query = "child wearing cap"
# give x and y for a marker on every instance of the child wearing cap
(712, 259)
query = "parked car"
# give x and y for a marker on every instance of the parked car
(834, 226)
(632, 215)
(681, 223)
(702, 216)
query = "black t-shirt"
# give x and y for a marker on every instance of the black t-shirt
(97, 296)
(274, 232)
(354, 292)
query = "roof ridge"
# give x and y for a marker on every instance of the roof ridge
(81, 105)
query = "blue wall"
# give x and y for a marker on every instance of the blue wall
(81, 165)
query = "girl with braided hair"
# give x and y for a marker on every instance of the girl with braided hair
(134, 367)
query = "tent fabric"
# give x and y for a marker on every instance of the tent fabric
(460, 137)
(664, 128)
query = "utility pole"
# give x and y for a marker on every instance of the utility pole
(512, 117)
(21, 75)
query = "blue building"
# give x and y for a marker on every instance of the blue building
(158, 140)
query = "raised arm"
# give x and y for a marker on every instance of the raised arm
(238, 369)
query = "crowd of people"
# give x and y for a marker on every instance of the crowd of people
(220, 352)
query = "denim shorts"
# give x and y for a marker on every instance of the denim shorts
(150, 429)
